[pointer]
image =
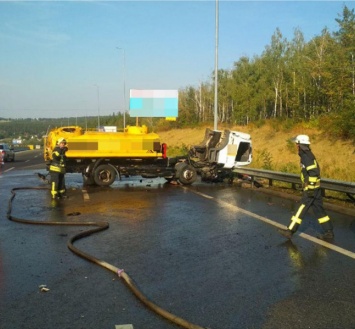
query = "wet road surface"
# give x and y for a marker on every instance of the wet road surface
(208, 253)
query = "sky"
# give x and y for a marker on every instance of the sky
(81, 58)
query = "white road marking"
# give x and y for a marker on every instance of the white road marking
(9, 169)
(123, 326)
(323, 243)
(326, 244)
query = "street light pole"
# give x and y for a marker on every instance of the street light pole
(124, 87)
(98, 106)
(216, 73)
(352, 64)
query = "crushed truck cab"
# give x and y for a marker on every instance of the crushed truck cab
(102, 156)
(220, 152)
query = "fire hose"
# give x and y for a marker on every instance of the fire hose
(98, 227)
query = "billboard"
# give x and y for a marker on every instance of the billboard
(153, 103)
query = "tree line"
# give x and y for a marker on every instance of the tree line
(291, 80)
(37, 128)
(30, 128)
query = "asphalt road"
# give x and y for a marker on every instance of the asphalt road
(208, 253)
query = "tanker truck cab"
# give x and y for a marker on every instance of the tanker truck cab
(220, 153)
(232, 150)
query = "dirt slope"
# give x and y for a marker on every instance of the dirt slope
(272, 149)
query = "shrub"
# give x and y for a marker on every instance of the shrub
(267, 159)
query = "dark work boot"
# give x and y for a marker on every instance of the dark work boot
(327, 235)
(286, 233)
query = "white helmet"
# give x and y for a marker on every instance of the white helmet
(61, 140)
(302, 139)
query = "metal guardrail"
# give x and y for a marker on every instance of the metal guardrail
(326, 184)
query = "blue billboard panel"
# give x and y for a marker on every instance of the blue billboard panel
(153, 103)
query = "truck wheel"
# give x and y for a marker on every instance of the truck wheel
(104, 175)
(88, 180)
(178, 168)
(88, 175)
(187, 175)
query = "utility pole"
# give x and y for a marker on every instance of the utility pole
(98, 106)
(216, 73)
(124, 87)
(352, 64)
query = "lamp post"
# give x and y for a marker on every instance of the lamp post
(216, 73)
(124, 87)
(98, 106)
(352, 64)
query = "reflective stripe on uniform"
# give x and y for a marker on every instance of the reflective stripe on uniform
(313, 186)
(296, 219)
(54, 168)
(313, 179)
(313, 166)
(53, 191)
(310, 179)
(57, 169)
(313, 182)
(323, 219)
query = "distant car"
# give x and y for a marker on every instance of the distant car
(7, 152)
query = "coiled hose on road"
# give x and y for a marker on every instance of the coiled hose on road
(99, 226)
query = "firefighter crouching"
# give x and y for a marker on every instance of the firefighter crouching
(312, 194)
(57, 169)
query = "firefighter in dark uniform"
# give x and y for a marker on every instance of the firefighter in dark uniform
(312, 194)
(57, 169)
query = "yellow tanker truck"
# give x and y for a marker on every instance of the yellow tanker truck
(102, 156)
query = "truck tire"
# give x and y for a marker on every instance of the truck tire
(178, 167)
(88, 175)
(187, 174)
(88, 180)
(104, 175)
